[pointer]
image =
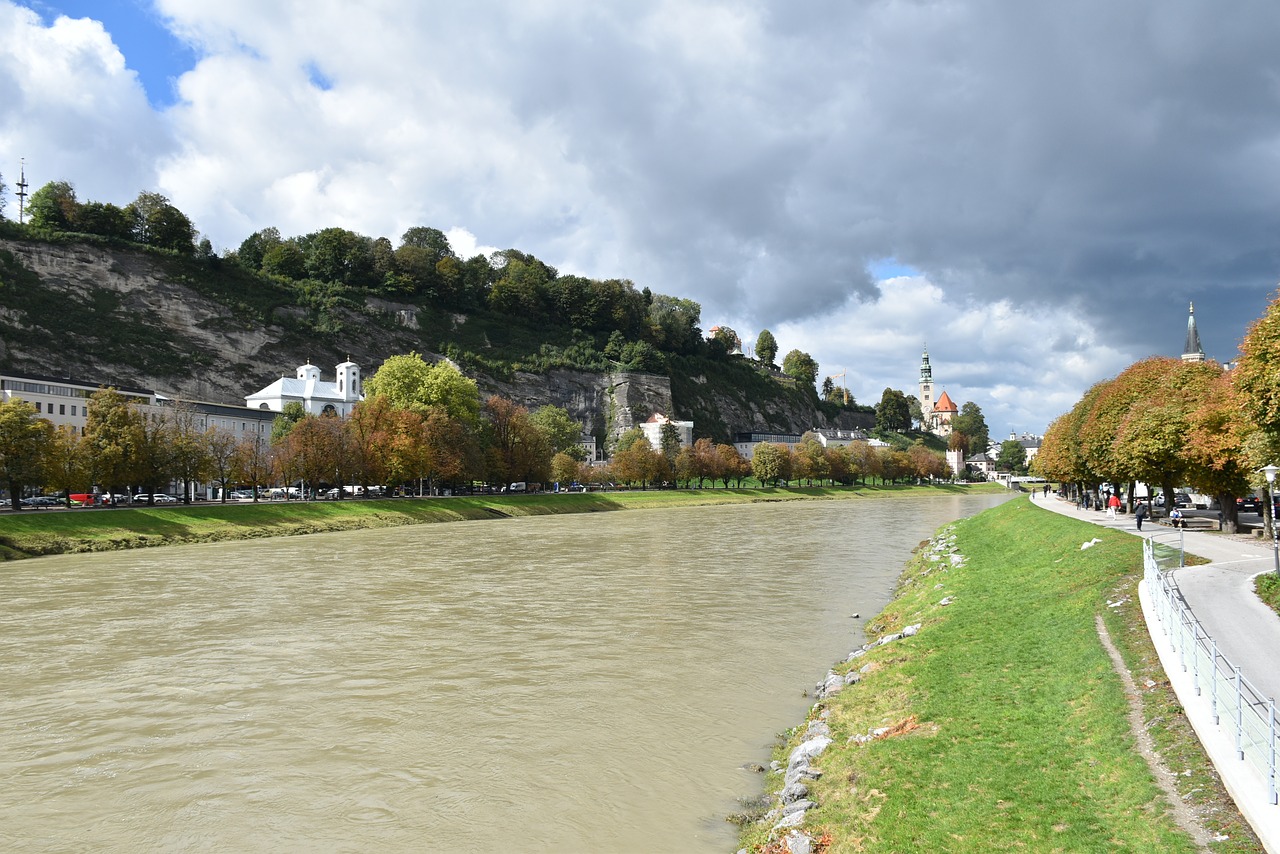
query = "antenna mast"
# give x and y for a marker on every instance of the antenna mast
(22, 191)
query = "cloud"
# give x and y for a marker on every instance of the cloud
(1063, 178)
(73, 109)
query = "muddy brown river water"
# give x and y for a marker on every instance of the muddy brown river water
(579, 683)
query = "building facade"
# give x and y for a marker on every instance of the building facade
(317, 396)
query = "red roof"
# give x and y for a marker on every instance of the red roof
(944, 404)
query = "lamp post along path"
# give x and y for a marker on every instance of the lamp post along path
(1270, 472)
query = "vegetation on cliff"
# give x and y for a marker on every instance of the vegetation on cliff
(495, 316)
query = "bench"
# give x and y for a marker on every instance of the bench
(1191, 523)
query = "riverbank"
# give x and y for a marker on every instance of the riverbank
(985, 713)
(33, 533)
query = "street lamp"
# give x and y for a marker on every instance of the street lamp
(1270, 472)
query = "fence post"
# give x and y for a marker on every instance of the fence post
(1213, 680)
(1271, 775)
(1195, 656)
(1239, 716)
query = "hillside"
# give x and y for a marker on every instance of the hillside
(209, 329)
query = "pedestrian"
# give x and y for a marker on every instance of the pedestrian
(1113, 505)
(1140, 512)
(1175, 518)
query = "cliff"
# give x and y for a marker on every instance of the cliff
(208, 330)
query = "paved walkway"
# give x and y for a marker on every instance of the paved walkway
(1221, 596)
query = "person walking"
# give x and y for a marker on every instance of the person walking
(1113, 505)
(1140, 512)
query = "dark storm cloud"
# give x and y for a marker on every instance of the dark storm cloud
(1068, 177)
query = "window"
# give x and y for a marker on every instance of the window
(62, 409)
(73, 409)
(39, 407)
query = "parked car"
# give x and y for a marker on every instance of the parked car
(1180, 499)
(155, 498)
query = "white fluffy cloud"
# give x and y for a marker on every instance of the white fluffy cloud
(1066, 178)
(73, 109)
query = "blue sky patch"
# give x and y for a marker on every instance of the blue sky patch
(889, 268)
(149, 48)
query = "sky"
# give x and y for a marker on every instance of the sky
(1035, 192)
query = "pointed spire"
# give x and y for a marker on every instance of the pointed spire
(926, 370)
(1193, 352)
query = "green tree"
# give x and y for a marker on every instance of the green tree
(290, 414)
(893, 413)
(725, 340)
(54, 206)
(767, 463)
(917, 413)
(565, 469)
(24, 445)
(669, 441)
(970, 421)
(156, 222)
(251, 463)
(1012, 457)
(516, 450)
(810, 460)
(189, 449)
(674, 323)
(155, 463)
(410, 383)
(339, 255)
(766, 347)
(522, 287)
(104, 219)
(286, 260)
(253, 249)
(801, 367)
(67, 465)
(114, 440)
(220, 449)
(561, 431)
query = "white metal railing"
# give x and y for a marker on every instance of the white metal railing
(1238, 707)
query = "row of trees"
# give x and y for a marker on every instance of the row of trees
(150, 219)
(1171, 423)
(419, 423)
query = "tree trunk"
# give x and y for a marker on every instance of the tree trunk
(1227, 513)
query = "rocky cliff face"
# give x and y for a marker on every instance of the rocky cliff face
(126, 318)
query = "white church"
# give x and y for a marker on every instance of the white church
(317, 396)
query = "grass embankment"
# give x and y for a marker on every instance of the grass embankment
(1012, 720)
(44, 532)
(1268, 587)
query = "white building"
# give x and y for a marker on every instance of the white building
(62, 400)
(316, 396)
(652, 430)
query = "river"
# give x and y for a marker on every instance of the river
(577, 683)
